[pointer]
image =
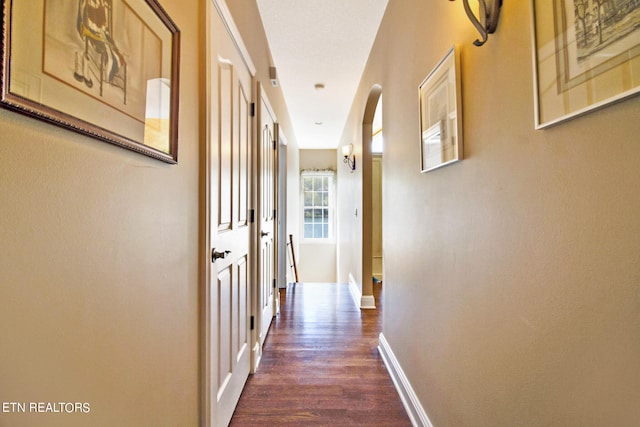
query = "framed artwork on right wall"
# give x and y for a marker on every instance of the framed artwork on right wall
(586, 55)
(441, 114)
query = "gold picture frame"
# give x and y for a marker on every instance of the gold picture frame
(441, 114)
(104, 68)
(586, 55)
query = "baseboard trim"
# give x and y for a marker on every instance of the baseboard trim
(353, 289)
(256, 357)
(362, 301)
(367, 302)
(410, 400)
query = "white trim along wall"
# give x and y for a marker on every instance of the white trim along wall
(410, 400)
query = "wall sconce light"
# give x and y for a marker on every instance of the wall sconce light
(349, 157)
(489, 11)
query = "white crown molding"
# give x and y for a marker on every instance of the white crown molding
(225, 14)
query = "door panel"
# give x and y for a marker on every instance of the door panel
(224, 328)
(225, 156)
(228, 355)
(241, 300)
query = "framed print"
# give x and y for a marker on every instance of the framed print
(441, 114)
(586, 56)
(103, 68)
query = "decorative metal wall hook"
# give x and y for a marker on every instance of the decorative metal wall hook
(489, 11)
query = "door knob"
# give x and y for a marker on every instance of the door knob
(215, 254)
(264, 233)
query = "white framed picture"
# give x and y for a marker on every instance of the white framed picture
(441, 114)
(586, 55)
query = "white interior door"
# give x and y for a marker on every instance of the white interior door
(228, 339)
(266, 214)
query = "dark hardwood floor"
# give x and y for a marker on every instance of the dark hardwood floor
(321, 366)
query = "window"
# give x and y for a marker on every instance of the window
(317, 205)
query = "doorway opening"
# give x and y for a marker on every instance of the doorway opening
(372, 259)
(377, 149)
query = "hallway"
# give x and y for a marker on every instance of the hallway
(321, 365)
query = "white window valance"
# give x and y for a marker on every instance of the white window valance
(318, 172)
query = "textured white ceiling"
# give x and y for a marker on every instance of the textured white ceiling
(320, 41)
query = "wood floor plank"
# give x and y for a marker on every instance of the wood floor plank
(321, 366)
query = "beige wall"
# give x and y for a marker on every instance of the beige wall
(318, 159)
(99, 268)
(513, 275)
(316, 261)
(349, 236)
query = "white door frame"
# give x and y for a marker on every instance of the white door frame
(281, 219)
